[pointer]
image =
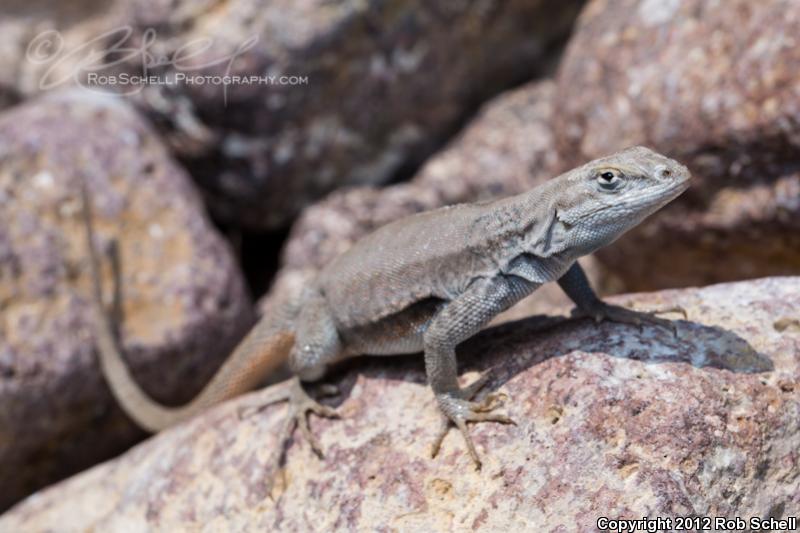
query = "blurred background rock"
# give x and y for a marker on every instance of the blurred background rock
(184, 302)
(212, 190)
(714, 84)
(388, 82)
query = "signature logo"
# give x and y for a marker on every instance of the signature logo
(92, 63)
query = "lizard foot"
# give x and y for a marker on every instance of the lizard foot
(300, 406)
(615, 313)
(458, 409)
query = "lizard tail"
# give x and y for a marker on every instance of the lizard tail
(261, 352)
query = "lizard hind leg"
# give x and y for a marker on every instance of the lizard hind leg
(317, 345)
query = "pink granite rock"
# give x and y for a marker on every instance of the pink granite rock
(184, 301)
(612, 422)
(713, 84)
(48, 45)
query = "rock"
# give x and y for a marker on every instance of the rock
(506, 149)
(44, 45)
(184, 302)
(712, 84)
(369, 88)
(612, 421)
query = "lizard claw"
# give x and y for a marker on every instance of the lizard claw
(249, 410)
(458, 409)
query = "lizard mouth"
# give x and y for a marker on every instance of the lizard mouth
(658, 198)
(679, 188)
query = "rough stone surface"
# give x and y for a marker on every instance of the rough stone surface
(713, 84)
(612, 421)
(506, 149)
(44, 45)
(184, 302)
(386, 83)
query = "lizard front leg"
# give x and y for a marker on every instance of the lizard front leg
(575, 284)
(458, 320)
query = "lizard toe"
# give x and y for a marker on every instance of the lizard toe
(652, 317)
(249, 410)
(328, 389)
(459, 411)
(491, 417)
(615, 313)
(301, 406)
(302, 422)
(462, 427)
(441, 433)
(323, 410)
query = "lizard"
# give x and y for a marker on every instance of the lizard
(424, 284)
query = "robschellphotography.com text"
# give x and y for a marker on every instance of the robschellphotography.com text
(96, 79)
(697, 523)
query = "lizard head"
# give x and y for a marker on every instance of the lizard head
(613, 194)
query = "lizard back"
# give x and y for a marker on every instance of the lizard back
(434, 254)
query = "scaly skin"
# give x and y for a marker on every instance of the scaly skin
(426, 283)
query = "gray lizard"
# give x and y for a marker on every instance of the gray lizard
(426, 283)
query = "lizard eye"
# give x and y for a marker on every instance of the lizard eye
(609, 180)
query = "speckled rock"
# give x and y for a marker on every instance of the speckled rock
(377, 86)
(506, 149)
(713, 84)
(612, 421)
(45, 45)
(184, 302)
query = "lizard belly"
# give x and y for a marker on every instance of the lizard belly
(398, 333)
